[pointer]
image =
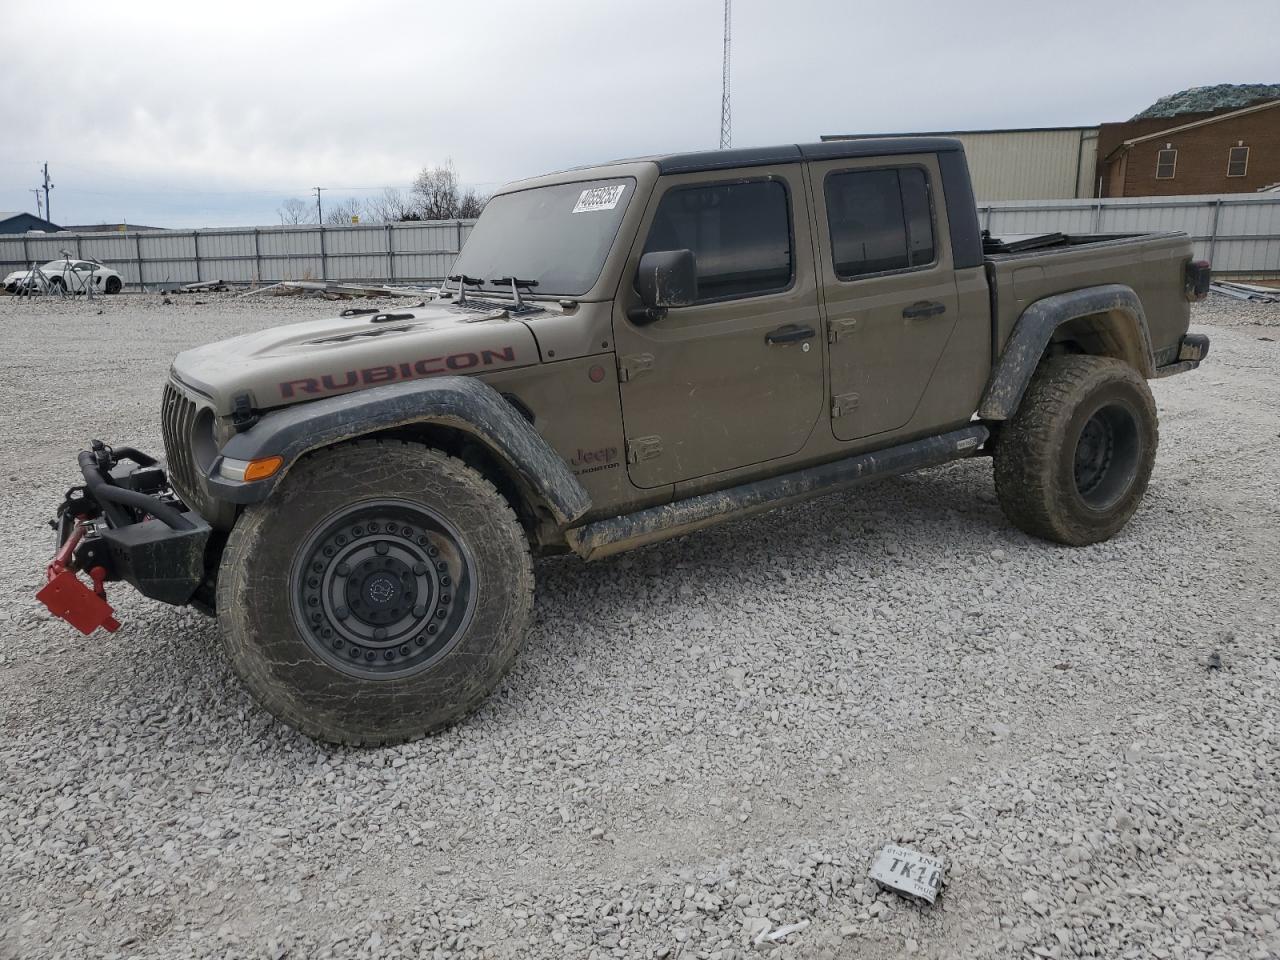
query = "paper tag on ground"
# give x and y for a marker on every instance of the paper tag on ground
(910, 872)
(599, 198)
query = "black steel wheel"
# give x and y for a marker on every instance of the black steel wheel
(383, 589)
(1107, 455)
(379, 594)
(1073, 463)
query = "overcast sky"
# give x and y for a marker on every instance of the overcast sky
(178, 114)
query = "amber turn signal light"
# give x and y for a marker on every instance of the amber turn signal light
(261, 469)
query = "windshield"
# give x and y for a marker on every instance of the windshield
(557, 236)
(54, 266)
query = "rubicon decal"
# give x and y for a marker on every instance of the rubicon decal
(395, 372)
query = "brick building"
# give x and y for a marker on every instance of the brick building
(1230, 149)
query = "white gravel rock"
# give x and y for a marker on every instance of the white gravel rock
(702, 742)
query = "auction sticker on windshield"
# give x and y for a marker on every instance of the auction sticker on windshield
(599, 198)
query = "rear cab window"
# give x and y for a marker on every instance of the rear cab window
(880, 221)
(739, 232)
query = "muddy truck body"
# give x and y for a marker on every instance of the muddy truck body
(622, 354)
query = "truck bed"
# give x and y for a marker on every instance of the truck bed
(1031, 267)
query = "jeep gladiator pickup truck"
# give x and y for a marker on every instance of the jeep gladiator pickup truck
(623, 353)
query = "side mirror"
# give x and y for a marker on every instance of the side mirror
(666, 278)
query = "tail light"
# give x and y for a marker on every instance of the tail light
(1198, 278)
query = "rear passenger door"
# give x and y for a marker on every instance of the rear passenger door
(888, 286)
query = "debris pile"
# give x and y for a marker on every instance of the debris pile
(334, 290)
(1246, 291)
(1222, 96)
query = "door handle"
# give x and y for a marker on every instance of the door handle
(791, 333)
(924, 308)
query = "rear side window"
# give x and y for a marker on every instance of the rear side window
(880, 221)
(740, 234)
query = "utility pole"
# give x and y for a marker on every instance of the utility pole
(319, 211)
(726, 121)
(39, 203)
(48, 211)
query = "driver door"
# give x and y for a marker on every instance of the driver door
(736, 378)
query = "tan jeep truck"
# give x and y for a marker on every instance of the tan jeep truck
(625, 353)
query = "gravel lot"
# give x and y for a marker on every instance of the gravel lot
(703, 741)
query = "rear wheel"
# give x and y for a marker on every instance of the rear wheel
(380, 593)
(113, 285)
(1074, 462)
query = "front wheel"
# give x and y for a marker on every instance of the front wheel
(1073, 463)
(380, 594)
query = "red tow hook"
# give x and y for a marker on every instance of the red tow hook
(67, 597)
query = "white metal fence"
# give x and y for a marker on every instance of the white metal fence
(1237, 234)
(417, 250)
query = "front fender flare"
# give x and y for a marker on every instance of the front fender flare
(462, 403)
(1123, 334)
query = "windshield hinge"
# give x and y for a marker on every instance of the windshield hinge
(643, 448)
(242, 415)
(843, 404)
(841, 327)
(634, 365)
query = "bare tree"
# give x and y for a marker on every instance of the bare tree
(471, 204)
(435, 192)
(294, 211)
(344, 211)
(391, 207)
(437, 195)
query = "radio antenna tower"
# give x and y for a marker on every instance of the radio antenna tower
(726, 120)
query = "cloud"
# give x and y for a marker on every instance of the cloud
(204, 114)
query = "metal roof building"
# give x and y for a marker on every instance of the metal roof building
(1032, 163)
(18, 222)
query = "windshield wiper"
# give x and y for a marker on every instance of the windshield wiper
(516, 283)
(463, 281)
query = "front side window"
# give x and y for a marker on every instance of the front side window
(880, 221)
(1238, 162)
(740, 234)
(1166, 163)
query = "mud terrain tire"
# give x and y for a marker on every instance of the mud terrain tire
(379, 594)
(1073, 463)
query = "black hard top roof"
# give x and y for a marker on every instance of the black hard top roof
(795, 152)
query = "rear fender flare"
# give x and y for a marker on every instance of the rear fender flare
(460, 403)
(1106, 320)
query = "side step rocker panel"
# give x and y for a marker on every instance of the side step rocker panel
(606, 537)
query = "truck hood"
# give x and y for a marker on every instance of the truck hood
(319, 358)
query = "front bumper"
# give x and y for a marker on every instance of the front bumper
(123, 523)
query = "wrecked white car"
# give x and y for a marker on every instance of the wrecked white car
(71, 276)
